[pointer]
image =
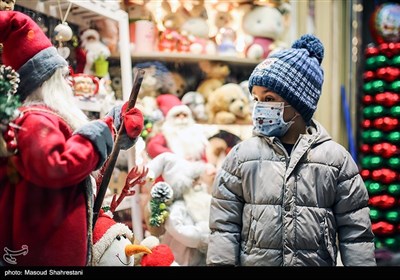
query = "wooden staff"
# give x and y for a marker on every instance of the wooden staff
(116, 148)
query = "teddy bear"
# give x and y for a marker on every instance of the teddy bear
(178, 85)
(157, 78)
(228, 104)
(216, 73)
(264, 25)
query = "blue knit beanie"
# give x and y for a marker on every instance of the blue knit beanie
(295, 74)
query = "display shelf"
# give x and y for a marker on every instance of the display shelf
(188, 57)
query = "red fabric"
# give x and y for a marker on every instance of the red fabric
(103, 223)
(22, 38)
(166, 101)
(161, 255)
(110, 123)
(133, 121)
(42, 195)
(157, 145)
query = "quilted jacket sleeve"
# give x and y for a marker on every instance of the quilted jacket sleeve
(356, 239)
(225, 215)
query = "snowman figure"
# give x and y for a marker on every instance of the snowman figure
(112, 244)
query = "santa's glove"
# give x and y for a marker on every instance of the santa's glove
(133, 124)
(98, 132)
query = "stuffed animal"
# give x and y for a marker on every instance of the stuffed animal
(228, 105)
(157, 78)
(265, 27)
(197, 104)
(195, 30)
(216, 73)
(178, 84)
(170, 38)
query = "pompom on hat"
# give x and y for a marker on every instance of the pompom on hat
(295, 74)
(27, 49)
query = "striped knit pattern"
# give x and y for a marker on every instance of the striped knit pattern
(294, 74)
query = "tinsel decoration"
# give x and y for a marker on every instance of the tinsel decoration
(9, 101)
(161, 194)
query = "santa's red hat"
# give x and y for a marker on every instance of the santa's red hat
(27, 49)
(104, 233)
(166, 101)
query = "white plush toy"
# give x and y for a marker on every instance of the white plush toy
(264, 26)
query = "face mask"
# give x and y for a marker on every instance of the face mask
(268, 119)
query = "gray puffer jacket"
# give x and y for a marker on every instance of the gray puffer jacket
(269, 209)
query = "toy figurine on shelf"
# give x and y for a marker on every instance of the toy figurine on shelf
(94, 52)
(7, 5)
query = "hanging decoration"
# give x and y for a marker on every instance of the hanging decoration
(380, 126)
(63, 32)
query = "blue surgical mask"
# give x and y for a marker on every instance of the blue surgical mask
(268, 119)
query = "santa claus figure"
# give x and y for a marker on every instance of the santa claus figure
(92, 48)
(179, 133)
(46, 191)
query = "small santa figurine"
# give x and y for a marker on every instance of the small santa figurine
(179, 133)
(92, 48)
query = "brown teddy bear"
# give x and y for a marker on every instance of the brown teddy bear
(216, 73)
(228, 104)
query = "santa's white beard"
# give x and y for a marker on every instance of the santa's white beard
(185, 139)
(57, 94)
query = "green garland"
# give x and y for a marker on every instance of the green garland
(161, 194)
(9, 100)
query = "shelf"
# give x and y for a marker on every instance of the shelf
(187, 57)
(81, 13)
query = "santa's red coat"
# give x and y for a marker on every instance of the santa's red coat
(43, 195)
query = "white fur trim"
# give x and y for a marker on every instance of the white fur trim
(105, 241)
(179, 109)
(150, 242)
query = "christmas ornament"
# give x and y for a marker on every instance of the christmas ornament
(63, 33)
(386, 99)
(385, 23)
(161, 194)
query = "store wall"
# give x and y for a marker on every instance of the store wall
(332, 28)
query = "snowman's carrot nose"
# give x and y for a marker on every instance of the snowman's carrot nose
(132, 249)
